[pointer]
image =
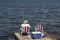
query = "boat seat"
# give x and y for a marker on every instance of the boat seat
(24, 30)
(39, 28)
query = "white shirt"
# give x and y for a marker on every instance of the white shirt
(23, 25)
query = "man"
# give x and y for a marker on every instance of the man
(25, 27)
(25, 23)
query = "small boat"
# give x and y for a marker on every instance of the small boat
(45, 37)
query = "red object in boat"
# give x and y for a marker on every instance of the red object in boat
(25, 29)
(40, 27)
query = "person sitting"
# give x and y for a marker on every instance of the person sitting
(25, 27)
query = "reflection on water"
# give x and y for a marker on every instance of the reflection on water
(45, 12)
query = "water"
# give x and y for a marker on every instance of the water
(45, 12)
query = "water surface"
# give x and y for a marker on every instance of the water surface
(45, 12)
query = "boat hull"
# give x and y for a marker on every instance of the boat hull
(45, 37)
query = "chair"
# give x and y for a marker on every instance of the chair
(40, 27)
(24, 30)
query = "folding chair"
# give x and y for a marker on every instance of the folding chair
(24, 30)
(39, 28)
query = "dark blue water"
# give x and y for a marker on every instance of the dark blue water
(45, 12)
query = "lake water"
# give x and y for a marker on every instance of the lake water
(45, 12)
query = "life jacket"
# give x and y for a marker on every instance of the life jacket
(25, 29)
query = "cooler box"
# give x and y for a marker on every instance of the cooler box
(36, 35)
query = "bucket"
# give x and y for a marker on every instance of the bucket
(36, 35)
